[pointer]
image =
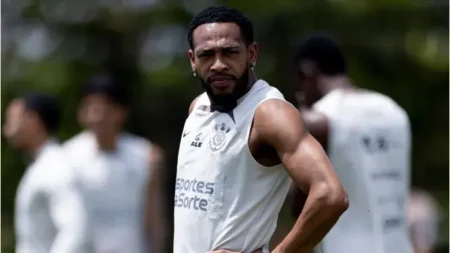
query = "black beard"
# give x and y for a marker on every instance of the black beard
(226, 102)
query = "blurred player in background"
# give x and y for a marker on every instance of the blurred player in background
(49, 212)
(121, 173)
(367, 138)
(241, 145)
(423, 221)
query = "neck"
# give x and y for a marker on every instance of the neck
(252, 79)
(107, 141)
(37, 142)
(328, 84)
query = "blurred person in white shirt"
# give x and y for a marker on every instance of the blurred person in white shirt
(423, 221)
(367, 137)
(120, 172)
(49, 212)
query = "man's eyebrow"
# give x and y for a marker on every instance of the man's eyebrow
(203, 51)
(228, 47)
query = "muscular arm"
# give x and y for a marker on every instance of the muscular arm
(156, 222)
(278, 124)
(316, 124)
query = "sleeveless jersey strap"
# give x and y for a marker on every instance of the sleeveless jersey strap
(202, 101)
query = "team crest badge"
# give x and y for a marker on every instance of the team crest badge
(220, 138)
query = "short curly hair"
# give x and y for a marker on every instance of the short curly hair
(47, 108)
(322, 49)
(221, 14)
(108, 85)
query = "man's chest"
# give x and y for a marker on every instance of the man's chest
(109, 180)
(209, 141)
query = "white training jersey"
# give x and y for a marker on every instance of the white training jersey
(49, 213)
(224, 199)
(115, 190)
(369, 144)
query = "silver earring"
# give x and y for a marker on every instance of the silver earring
(193, 73)
(253, 66)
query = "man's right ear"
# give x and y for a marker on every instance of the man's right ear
(191, 56)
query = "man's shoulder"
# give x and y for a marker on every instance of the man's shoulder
(264, 91)
(79, 151)
(50, 156)
(383, 104)
(261, 98)
(135, 139)
(53, 167)
(328, 104)
(143, 149)
(136, 143)
(80, 139)
(201, 99)
(277, 123)
(394, 106)
(144, 144)
(271, 105)
(274, 113)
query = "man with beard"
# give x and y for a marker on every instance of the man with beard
(242, 143)
(49, 212)
(367, 137)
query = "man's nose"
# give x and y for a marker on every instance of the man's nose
(96, 113)
(219, 65)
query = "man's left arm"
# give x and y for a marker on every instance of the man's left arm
(279, 125)
(316, 123)
(68, 212)
(155, 216)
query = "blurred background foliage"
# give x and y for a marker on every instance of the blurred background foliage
(397, 47)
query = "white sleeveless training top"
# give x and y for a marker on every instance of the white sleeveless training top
(49, 213)
(369, 146)
(115, 190)
(224, 199)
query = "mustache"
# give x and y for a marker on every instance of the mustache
(217, 77)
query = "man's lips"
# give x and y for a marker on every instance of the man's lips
(221, 81)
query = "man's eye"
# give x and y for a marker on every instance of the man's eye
(204, 54)
(230, 52)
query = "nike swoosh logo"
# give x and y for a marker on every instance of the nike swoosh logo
(184, 134)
